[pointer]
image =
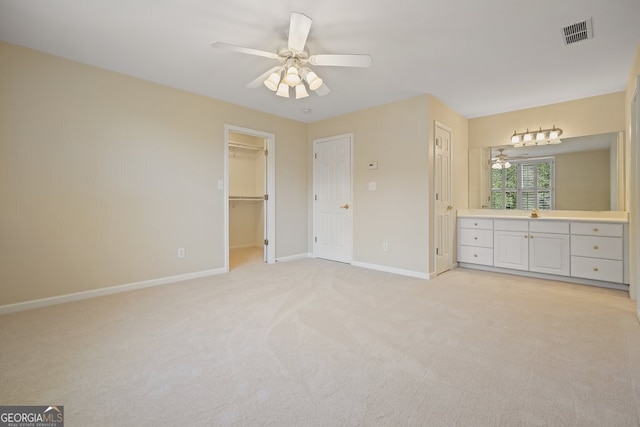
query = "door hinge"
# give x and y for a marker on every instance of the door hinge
(316, 197)
(266, 152)
(266, 242)
(315, 155)
(315, 239)
(437, 251)
(436, 196)
(266, 197)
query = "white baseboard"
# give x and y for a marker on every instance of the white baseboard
(293, 257)
(393, 270)
(27, 305)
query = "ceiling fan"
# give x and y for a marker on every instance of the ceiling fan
(294, 59)
(500, 161)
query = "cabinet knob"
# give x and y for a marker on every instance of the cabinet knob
(595, 247)
(531, 237)
(595, 229)
(526, 236)
(595, 268)
(475, 223)
(475, 255)
(475, 238)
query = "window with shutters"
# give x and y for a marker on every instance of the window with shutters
(527, 184)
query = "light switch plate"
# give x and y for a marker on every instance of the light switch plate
(372, 185)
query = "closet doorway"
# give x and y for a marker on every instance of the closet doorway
(250, 196)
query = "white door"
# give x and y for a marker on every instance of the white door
(511, 249)
(443, 208)
(332, 204)
(549, 253)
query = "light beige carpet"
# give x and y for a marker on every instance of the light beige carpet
(316, 343)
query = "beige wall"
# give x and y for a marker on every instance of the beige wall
(582, 117)
(632, 183)
(587, 116)
(583, 181)
(395, 136)
(104, 176)
(399, 136)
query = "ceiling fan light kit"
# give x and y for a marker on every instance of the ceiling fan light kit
(540, 137)
(500, 162)
(294, 59)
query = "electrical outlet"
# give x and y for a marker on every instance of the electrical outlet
(180, 252)
(385, 246)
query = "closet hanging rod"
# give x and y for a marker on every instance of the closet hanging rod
(247, 146)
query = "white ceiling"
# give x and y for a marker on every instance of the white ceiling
(478, 57)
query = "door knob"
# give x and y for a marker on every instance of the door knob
(345, 206)
(449, 207)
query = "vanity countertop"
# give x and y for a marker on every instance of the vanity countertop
(586, 216)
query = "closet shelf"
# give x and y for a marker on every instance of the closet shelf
(245, 146)
(256, 198)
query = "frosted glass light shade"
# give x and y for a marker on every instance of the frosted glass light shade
(313, 80)
(292, 78)
(301, 91)
(272, 81)
(283, 90)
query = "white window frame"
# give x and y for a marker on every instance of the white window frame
(519, 186)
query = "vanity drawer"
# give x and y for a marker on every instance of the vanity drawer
(597, 229)
(544, 226)
(475, 255)
(607, 270)
(597, 247)
(510, 225)
(470, 237)
(477, 223)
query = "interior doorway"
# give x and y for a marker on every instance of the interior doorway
(250, 196)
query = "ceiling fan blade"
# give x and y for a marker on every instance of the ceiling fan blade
(323, 90)
(299, 27)
(259, 80)
(241, 49)
(362, 61)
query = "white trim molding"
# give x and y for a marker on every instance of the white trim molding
(44, 302)
(393, 270)
(294, 257)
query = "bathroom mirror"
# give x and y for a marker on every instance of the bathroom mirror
(588, 172)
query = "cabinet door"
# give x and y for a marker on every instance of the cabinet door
(511, 249)
(549, 253)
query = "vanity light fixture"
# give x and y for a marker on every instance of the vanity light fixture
(541, 137)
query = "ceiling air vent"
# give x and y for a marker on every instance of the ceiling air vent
(577, 32)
